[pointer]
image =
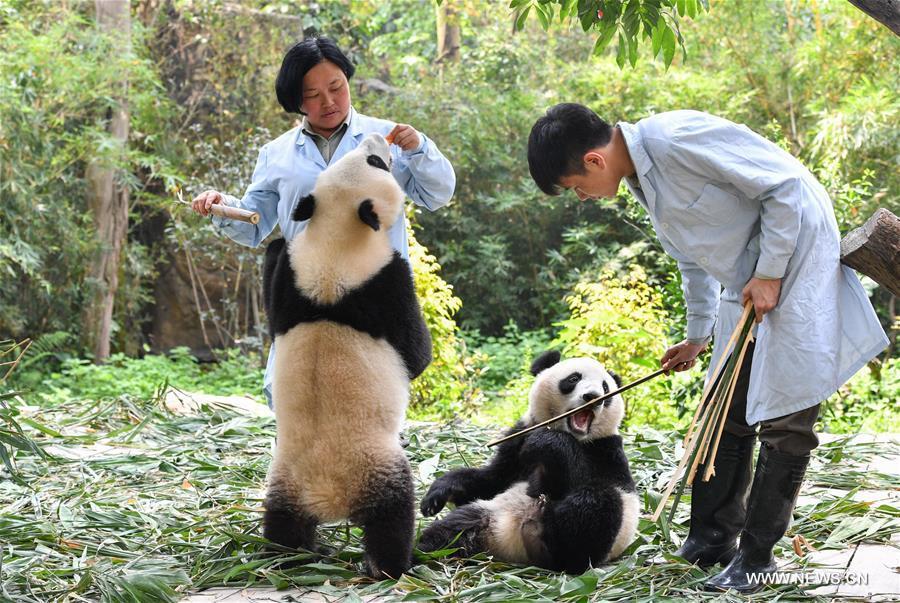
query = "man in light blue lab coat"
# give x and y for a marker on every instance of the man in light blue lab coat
(745, 222)
(314, 82)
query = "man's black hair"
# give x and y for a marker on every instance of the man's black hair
(559, 140)
(302, 57)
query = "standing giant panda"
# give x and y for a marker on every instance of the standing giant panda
(560, 498)
(350, 336)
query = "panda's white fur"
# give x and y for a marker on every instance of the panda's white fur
(349, 337)
(338, 417)
(337, 252)
(546, 400)
(529, 504)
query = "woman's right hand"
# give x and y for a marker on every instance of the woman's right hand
(205, 200)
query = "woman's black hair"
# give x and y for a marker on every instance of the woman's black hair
(302, 57)
(559, 140)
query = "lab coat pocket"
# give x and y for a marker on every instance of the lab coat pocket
(715, 206)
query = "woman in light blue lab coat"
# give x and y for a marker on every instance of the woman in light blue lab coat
(745, 221)
(314, 82)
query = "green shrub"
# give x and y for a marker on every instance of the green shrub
(868, 402)
(235, 373)
(446, 388)
(504, 375)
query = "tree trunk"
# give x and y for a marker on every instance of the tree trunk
(886, 12)
(448, 37)
(874, 250)
(107, 198)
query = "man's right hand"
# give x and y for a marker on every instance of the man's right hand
(205, 200)
(681, 356)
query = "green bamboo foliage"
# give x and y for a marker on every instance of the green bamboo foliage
(12, 438)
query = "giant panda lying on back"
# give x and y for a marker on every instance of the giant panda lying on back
(560, 498)
(350, 336)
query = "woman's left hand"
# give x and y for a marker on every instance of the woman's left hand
(405, 137)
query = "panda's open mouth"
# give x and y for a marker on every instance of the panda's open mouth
(580, 422)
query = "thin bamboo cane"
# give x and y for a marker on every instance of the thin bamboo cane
(690, 446)
(706, 436)
(710, 467)
(714, 375)
(704, 409)
(723, 393)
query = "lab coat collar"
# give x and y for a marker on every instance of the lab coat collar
(640, 159)
(353, 127)
(311, 151)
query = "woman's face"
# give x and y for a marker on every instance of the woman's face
(326, 97)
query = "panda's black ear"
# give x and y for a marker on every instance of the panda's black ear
(616, 378)
(376, 161)
(305, 208)
(367, 214)
(545, 361)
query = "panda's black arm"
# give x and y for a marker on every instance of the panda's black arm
(416, 347)
(271, 261)
(270, 266)
(462, 486)
(406, 329)
(557, 460)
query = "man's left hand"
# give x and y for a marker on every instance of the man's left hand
(763, 293)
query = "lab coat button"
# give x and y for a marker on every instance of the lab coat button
(665, 226)
(704, 261)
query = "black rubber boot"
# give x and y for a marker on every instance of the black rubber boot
(719, 506)
(776, 485)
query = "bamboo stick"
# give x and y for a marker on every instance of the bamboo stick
(711, 406)
(714, 375)
(710, 467)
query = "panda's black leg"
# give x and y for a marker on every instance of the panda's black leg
(285, 522)
(463, 529)
(387, 517)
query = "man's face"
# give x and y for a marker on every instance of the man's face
(326, 97)
(596, 182)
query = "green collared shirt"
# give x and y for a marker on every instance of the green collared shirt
(326, 146)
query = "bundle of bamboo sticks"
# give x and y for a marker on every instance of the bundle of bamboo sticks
(705, 431)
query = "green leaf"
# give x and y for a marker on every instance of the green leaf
(668, 46)
(543, 17)
(633, 50)
(620, 52)
(681, 7)
(691, 6)
(520, 20)
(517, 3)
(587, 19)
(657, 38)
(609, 30)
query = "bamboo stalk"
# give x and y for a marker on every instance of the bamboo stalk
(710, 467)
(715, 374)
(713, 405)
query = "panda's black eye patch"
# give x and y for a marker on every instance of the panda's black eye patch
(605, 387)
(567, 385)
(376, 161)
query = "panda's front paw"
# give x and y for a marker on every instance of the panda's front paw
(439, 494)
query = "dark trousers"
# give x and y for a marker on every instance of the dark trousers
(792, 434)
